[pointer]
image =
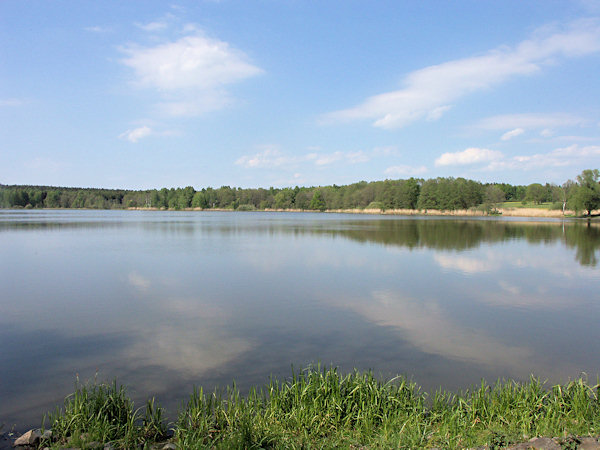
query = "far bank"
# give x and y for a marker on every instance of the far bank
(507, 212)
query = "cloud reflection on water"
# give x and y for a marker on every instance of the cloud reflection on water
(190, 334)
(465, 264)
(425, 325)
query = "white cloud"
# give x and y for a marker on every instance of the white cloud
(136, 134)
(513, 133)
(469, 156)
(573, 155)
(189, 74)
(529, 121)
(405, 170)
(427, 92)
(195, 62)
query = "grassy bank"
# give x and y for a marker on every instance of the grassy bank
(324, 409)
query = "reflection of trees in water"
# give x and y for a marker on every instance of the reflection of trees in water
(441, 234)
(55, 226)
(462, 235)
(586, 240)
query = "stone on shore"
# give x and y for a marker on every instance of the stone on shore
(589, 443)
(32, 437)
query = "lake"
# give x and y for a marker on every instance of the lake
(165, 301)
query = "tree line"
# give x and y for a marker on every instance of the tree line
(448, 194)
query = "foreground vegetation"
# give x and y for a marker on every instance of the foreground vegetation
(447, 194)
(324, 409)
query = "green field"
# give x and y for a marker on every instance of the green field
(543, 205)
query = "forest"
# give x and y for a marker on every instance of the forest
(447, 194)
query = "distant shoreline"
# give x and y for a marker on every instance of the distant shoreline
(506, 212)
(501, 212)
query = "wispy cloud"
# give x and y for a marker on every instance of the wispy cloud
(330, 158)
(590, 6)
(530, 121)
(268, 157)
(12, 102)
(325, 159)
(403, 170)
(572, 139)
(152, 26)
(144, 131)
(98, 29)
(136, 134)
(545, 125)
(546, 132)
(469, 156)
(195, 104)
(429, 92)
(512, 133)
(189, 74)
(271, 156)
(44, 164)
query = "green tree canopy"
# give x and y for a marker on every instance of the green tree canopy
(536, 193)
(587, 194)
(317, 202)
(493, 196)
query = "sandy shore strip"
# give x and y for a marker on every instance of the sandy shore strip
(507, 212)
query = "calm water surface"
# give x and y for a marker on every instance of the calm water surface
(165, 301)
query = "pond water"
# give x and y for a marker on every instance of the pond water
(165, 301)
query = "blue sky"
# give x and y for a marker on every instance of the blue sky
(150, 94)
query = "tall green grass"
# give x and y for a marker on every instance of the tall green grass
(104, 413)
(321, 408)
